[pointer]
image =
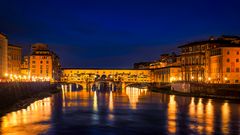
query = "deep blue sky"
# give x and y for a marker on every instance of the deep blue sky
(116, 33)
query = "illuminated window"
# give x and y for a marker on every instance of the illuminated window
(228, 69)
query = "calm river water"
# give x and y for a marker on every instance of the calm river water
(131, 111)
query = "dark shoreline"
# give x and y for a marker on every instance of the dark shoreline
(170, 92)
(24, 103)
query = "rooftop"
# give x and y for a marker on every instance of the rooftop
(221, 40)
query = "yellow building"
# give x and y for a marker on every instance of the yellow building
(212, 61)
(225, 65)
(14, 59)
(43, 63)
(76, 75)
(166, 74)
(3, 55)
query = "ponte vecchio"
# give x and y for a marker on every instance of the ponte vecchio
(90, 76)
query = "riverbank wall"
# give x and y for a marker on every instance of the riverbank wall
(198, 89)
(13, 92)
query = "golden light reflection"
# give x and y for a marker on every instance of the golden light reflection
(172, 112)
(133, 95)
(111, 107)
(192, 113)
(209, 114)
(28, 121)
(200, 116)
(225, 118)
(95, 102)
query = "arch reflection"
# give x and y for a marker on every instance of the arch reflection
(133, 94)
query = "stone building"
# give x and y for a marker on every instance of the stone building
(166, 69)
(14, 59)
(44, 63)
(3, 55)
(213, 60)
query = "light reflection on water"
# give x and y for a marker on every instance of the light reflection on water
(34, 119)
(131, 111)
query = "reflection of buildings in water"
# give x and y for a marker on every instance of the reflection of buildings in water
(200, 116)
(133, 95)
(71, 98)
(203, 116)
(172, 112)
(25, 121)
(225, 118)
(196, 114)
(95, 102)
(209, 117)
(164, 98)
(111, 102)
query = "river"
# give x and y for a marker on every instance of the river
(126, 112)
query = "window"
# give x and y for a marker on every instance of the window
(237, 52)
(228, 52)
(237, 60)
(41, 62)
(33, 62)
(47, 62)
(33, 66)
(237, 69)
(236, 81)
(228, 69)
(228, 60)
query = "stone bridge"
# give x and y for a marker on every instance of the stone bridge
(89, 77)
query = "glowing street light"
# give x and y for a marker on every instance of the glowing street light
(6, 74)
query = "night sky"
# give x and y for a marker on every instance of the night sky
(115, 33)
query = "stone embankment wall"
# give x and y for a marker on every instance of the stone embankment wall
(227, 90)
(12, 92)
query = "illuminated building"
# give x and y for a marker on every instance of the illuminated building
(25, 66)
(142, 65)
(3, 55)
(213, 60)
(43, 63)
(166, 69)
(14, 59)
(224, 63)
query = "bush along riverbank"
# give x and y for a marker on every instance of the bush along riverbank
(16, 95)
(203, 91)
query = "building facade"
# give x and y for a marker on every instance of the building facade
(212, 61)
(225, 65)
(3, 55)
(44, 63)
(14, 59)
